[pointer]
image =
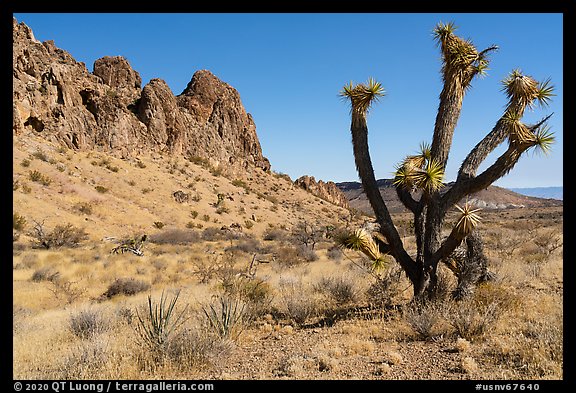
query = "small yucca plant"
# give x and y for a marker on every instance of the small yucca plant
(227, 316)
(158, 326)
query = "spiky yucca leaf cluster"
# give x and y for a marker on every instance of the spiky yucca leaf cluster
(522, 92)
(361, 240)
(363, 95)
(461, 59)
(420, 171)
(468, 220)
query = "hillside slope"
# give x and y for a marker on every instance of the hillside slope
(121, 197)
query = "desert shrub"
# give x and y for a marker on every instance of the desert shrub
(275, 234)
(84, 360)
(46, 273)
(126, 286)
(195, 346)
(205, 268)
(504, 297)
(471, 319)
(159, 224)
(289, 256)
(66, 290)
(201, 161)
(64, 235)
(248, 224)
(334, 253)
(83, 207)
(536, 350)
(385, 290)
(175, 236)
(298, 303)
(25, 163)
(249, 246)
(28, 261)
(101, 189)
(256, 294)
(41, 155)
(213, 234)
(306, 254)
(239, 183)
(38, 177)
(222, 209)
(193, 214)
(340, 289)
(140, 164)
(18, 222)
(87, 323)
(423, 317)
(306, 234)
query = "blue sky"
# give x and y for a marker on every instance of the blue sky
(289, 69)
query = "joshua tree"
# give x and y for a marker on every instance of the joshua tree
(419, 178)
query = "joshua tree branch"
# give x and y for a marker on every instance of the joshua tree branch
(359, 130)
(406, 199)
(501, 167)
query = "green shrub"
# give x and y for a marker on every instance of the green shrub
(38, 177)
(18, 222)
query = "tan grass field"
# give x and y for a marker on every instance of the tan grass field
(305, 314)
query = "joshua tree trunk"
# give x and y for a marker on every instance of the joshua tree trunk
(462, 250)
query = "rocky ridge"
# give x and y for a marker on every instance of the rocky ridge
(492, 198)
(324, 190)
(108, 110)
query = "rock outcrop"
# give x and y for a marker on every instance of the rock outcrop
(324, 190)
(58, 98)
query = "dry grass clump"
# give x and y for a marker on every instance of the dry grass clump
(535, 351)
(424, 318)
(341, 290)
(298, 302)
(84, 360)
(87, 323)
(472, 320)
(290, 256)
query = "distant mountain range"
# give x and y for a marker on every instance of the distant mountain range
(541, 192)
(491, 198)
